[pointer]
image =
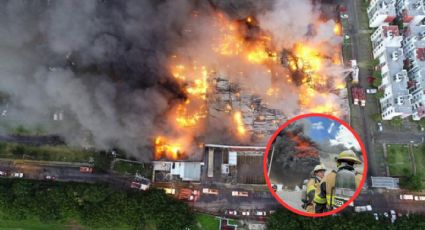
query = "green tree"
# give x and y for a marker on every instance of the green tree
(372, 64)
(412, 182)
(380, 94)
(377, 74)
(376, 117)
(396, 121)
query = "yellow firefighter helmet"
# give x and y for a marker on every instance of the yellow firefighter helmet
(319, 168)
(348, 155)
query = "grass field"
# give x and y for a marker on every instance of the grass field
(131, 168)
(419, 153)
(206, 222)
(29, 225)
(398, 160)
(49, 153)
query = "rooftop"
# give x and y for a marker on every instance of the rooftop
(414, 8)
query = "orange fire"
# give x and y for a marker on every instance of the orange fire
(338, 29)
(309, 58)
(187, 115)
(240, 127)
(164, 149)
(230, 42)
(303, 147)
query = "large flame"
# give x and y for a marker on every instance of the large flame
(168, 150)
(240, 128)
(256, 48)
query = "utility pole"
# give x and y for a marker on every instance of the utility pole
(270, 164)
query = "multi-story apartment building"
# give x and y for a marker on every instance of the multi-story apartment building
(401, 55)
(381, 12)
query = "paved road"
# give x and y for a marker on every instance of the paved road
(362, 54)
(259, 199)
(397, 138)
(385, 200)
(63, 173)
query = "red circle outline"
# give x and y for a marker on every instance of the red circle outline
(359, 188)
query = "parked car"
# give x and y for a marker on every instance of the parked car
(2, 173)
(17, 175)
(85, 169)
(260, 213)
(246, 213)
(231, 212)
(210, 191)
(49, 177)
(380, 127)
(240, 193)
(376, 216)
(363, 208)
(371, 91)
(406, 197)
(393, 216)
(386, 214)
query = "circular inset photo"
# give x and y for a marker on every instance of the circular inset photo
(315, 165)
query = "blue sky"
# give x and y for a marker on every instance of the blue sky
(322, 128)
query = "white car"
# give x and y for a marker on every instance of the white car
(363, 208)
(386, 214)
(406, 197)
(371, 91)
(210, 191)
(376, 216)
(3, 173)
(344, 15)
(380, 127)
(17, 175)
(246, 213)
(260, 213)
(393, 216)
(240, 193)
(231, 212)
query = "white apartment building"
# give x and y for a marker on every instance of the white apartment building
(414, 48)
(381, 12)
(401, 56)
(385, 36)
(396, 100)
(411, 12)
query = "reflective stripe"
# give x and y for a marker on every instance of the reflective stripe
(319, 200)
(310, 188)
(328, 200)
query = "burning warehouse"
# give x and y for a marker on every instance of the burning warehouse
(168, 76)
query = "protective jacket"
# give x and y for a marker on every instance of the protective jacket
(336, 188)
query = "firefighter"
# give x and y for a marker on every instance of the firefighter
(338, 186)
(311, 185)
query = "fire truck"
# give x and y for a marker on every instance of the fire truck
(354, 72)
(359, 96)
(85, 169)
(188, 194)
(140, 184)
